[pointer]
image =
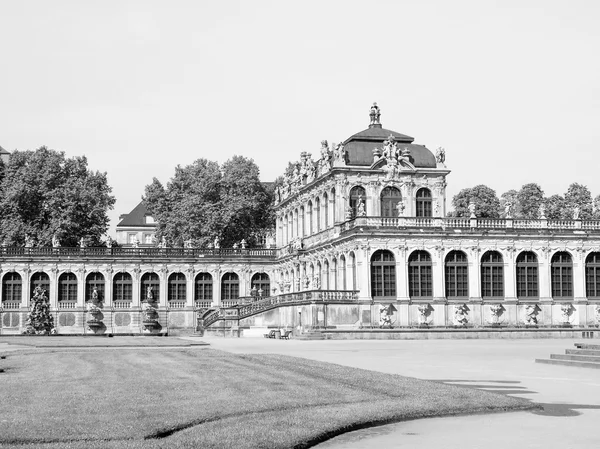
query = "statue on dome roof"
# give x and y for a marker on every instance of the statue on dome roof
(374, 115)
(440, 156)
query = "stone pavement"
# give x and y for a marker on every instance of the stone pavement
(570, 396)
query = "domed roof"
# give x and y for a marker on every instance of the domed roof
(360, 146)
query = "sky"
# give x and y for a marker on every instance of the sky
(509, 88)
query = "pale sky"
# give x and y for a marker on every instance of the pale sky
(511, 89)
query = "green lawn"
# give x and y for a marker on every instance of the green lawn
(199, 397)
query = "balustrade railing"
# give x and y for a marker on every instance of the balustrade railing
(176, 304)
(121, 304)
(203, 304)
(67, 304)
(10, 305)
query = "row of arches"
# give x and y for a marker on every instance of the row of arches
(122, 286)
(320, 212)
(491, 272)
(338, 273)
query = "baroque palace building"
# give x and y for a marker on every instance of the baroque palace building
(362, 244)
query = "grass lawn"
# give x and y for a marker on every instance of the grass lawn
(199, 397)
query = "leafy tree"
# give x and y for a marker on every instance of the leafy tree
(596, 211)
(556, 207)
(528, 201)
(43, 194)
(487, 204)
(579, 196)
(203, 201)
(509, 197)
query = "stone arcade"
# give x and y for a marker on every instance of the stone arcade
(362, 244)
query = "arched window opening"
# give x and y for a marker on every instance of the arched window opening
(592, 276)
(419, 275)
(383, 274)
(390, 197)
(122, 287)
(42, 280)
(67, 288)
(94, 282)
(527, 276)
(357, 194)
(333, 211)
(492, 275)
(261, 285)
(203, 287)
(150, 283)
(318, 213)
(353, 270)
(12, 288)
(325, 211)
(457, 275)
(309, 211)
(302, 228)
(423, 203)
(176, 287)
(561, 267)
(230, 286)
(343, 281)
(325, 276)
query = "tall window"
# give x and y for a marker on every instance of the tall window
(419, 275)
(423, 203)
(325, 275)
(592, 276)
(492, 275)
(94, 281)
(230, 286)
(203, 289)
(42, 280)
(357, 193)
(353, 270)
(527, 275)
(457, 275)
(390, 197)
(67, 287)
(176, 287)
(301, 224)
(12, 287)
(344, 283)
(309, 211)
(318, 213)
(261, 284)
(152, 281)
(122, 287)
(333, 217)
(334, 274)
(383, 274)
(562, 275)
(325, 211)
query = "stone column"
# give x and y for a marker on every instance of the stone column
(53, 290)
(438, 277)
(26, 287)
(402, 275)
(216, 275)
(189, 287)
(474, 277)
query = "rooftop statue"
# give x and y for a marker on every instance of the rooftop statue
(55, 242)
(374, 115)
(440, 156)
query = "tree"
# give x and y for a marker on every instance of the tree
(45, 194)
(528, 201)
(579, 196)
(596, 206)
(487, 204)
(509, 197)
(204, 201)
(39, 319)
(555, 207)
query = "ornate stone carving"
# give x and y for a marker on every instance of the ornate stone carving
(566, 310)
(496, 311)
(440, 156)
(531, 314)
(374, 115)
(461, 315)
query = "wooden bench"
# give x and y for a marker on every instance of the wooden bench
(286, 335)
(271, 334)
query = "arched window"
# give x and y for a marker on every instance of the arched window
(527, 275)
(343, 281)
(419, 275)
(122, 287)
(492, 275)
(12, 286)
(301, 224)
(325, 211)
(334, 274)
(423, 203)
(353, 270)
(562, 275)
(230, 286)
(383, 274)
(261, 284)
(333, 217)
(176, 287)
(203, 287)
(457, 275)
(150, 281)
(318, 213)
(42, 280)
(67, 288)
(326, 275)
(592, 276)
(94, 281)
(309, 211)
(390, 197)
(357, 193)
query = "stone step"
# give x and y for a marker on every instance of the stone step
(579, 357)
(587, 346)
(569, 363)
(311, 336)
(583, 351)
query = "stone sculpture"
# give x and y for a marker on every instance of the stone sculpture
(461, 315)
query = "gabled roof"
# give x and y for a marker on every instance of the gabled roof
(137, 217)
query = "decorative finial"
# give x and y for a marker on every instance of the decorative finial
(374, 115)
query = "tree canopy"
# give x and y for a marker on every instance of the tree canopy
(43, 194)
(487, 204)
(204, 201)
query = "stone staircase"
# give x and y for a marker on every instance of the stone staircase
(313, 335)
(585, 356)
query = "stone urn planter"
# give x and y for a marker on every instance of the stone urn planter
(150, 318)
(94, 322)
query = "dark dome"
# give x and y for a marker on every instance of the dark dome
(360, 146)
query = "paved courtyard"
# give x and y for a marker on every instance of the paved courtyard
(570, 396)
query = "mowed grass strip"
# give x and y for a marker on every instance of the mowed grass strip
(183, 397)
